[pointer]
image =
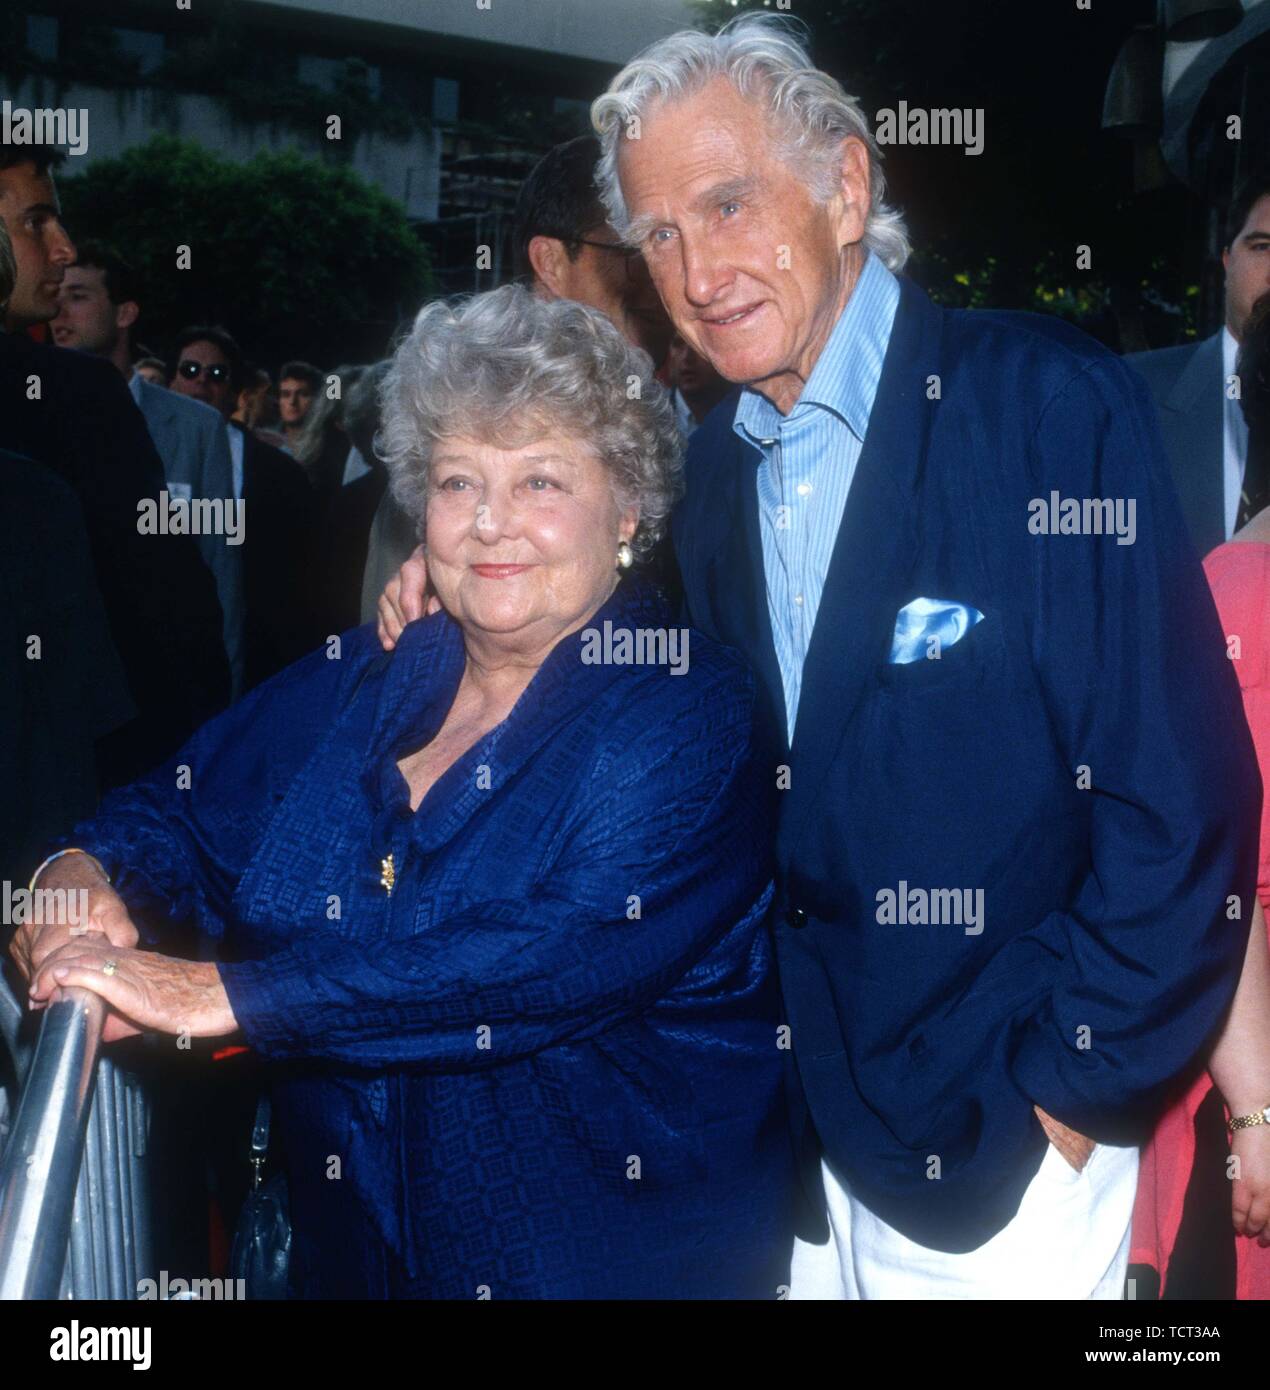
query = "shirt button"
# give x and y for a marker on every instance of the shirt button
(795, 917)
(798, 598)
(804, 489)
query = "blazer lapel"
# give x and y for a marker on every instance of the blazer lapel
(1195, 407)
(872, 559)
(1200, 381)
(738, 584)
(417, 698)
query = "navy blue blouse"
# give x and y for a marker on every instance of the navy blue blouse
(549, 1063)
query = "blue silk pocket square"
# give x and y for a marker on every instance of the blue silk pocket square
(917, 623)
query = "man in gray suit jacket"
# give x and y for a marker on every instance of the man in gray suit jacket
(97, 308)
(1204, 430)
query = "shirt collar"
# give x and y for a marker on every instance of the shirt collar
(1229, 351)
(846, 375)
(134, 385)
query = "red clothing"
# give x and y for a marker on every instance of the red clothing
(1239, 574)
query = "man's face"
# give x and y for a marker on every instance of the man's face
(210, 383)
(617, 283)
(86, 319)
(251, 403)
(41, 248)
(1247, 262)
(294, 399)
(752, 271)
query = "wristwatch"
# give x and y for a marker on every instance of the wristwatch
(1258, 1117)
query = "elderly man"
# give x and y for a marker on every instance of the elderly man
(1014, 887)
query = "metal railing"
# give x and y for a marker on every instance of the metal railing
(74, 1189)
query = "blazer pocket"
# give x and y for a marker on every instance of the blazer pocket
(977, 659)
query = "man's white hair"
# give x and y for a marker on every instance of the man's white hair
(764, 60)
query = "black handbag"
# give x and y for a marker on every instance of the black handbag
(261, 1253)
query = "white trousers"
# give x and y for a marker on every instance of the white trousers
(1069, 1239)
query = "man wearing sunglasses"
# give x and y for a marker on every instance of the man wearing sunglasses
(203, 370)
(279, 625)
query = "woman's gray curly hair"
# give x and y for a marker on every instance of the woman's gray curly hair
(507, 368)
(764, 59)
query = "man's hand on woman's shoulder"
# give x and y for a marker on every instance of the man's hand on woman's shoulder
(405, 598)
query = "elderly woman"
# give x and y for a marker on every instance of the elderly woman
(500, 896)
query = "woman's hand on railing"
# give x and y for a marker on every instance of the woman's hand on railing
(101, 911)
(145, 990)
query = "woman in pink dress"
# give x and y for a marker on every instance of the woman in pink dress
(1174, 1171)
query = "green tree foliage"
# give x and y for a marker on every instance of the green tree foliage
(297, 257)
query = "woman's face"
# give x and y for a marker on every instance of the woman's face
(522, 543)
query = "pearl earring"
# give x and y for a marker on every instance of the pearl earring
(624, 556)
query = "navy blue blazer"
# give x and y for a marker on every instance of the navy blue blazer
(1080, 755)
(549, 1065)
(1190, 394)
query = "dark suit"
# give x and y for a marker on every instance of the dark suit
(342, 546)
(160, 598)
(280, 517)
(57, 698)
(191, 441)
(1189, 389)
(1105, 907)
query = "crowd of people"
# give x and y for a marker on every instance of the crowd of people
(585, 970)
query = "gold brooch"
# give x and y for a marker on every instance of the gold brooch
(387, 875)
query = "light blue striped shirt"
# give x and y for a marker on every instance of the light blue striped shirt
(808, 460)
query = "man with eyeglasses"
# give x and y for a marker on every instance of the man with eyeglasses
(566, 248)
(278, 625)
(73, 413)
